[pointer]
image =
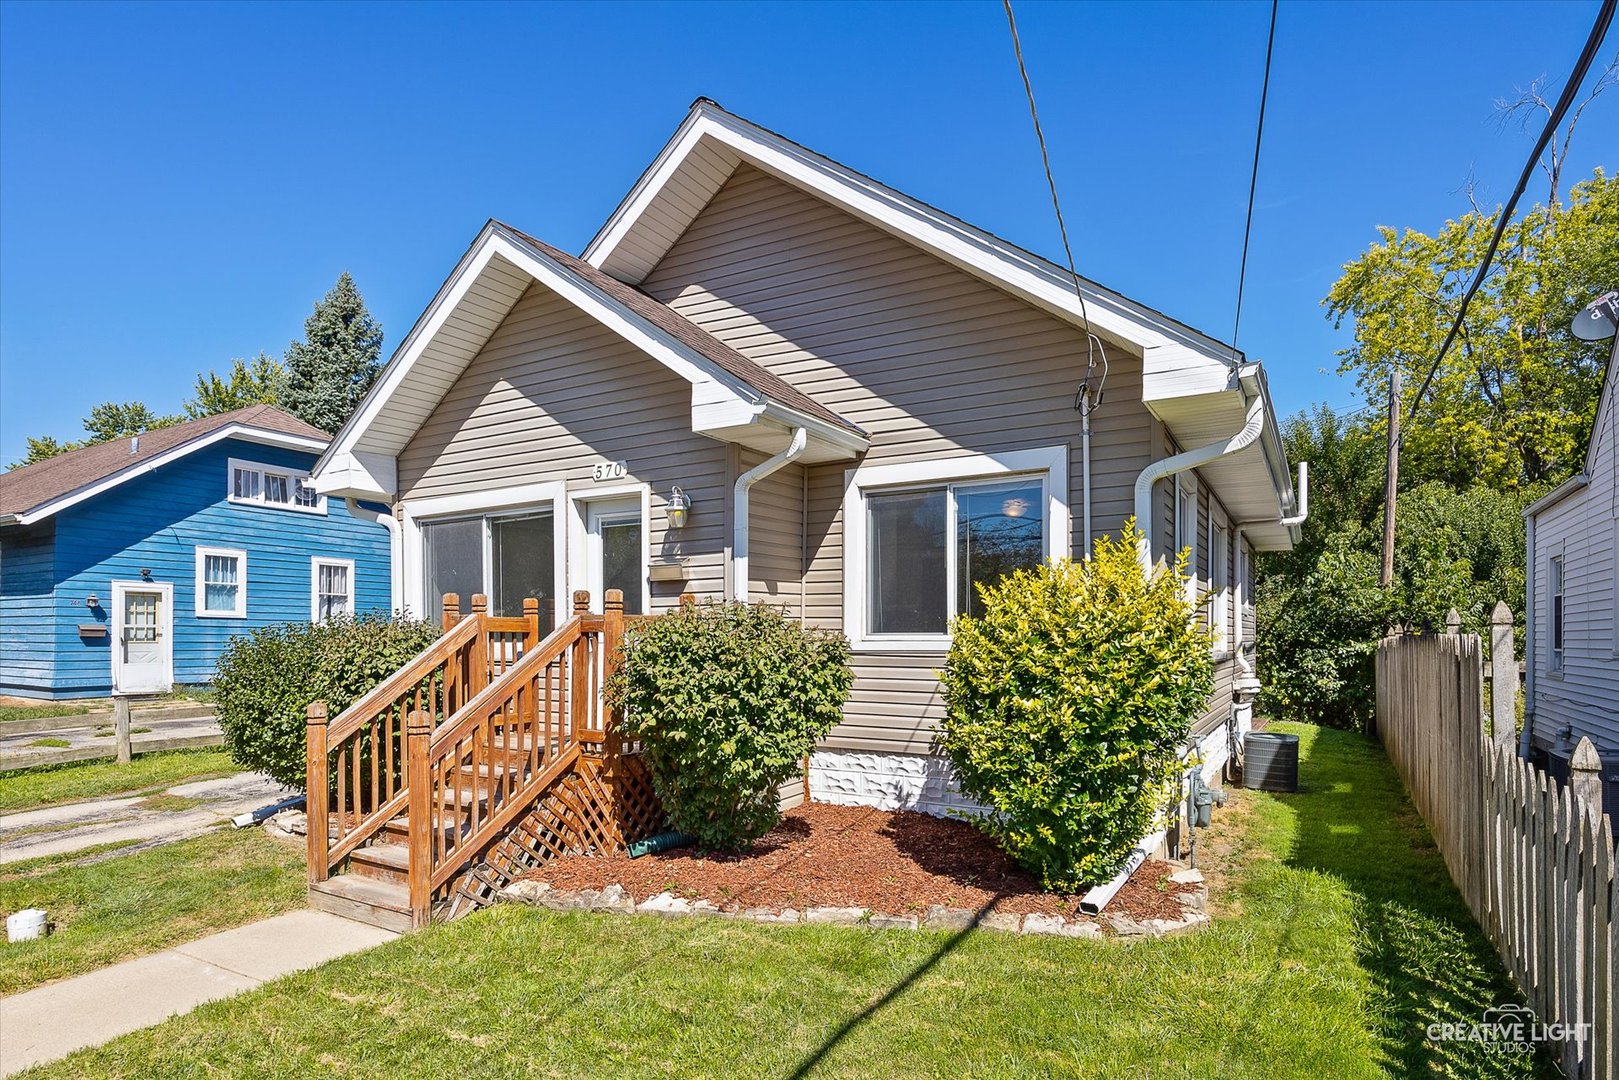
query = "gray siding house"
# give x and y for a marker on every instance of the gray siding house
(858, 396)
(1572, 649)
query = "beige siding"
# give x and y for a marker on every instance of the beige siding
(929, 360)
(776, 535)
(553, 392)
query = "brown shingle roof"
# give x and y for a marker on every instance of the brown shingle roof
(685, 331)
(32, 486)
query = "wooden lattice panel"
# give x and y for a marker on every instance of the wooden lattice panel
(587, 810)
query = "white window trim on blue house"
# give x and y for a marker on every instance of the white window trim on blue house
(316, 564)
(202, 609)
(294, 478)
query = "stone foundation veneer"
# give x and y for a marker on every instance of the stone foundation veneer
(887, 781)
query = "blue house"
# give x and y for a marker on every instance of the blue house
(126, 566)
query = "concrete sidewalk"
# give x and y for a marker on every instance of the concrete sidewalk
(55, 1020)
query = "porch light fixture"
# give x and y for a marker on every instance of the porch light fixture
(679, 508)
(92, 601)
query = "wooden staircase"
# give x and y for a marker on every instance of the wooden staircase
(489, 751)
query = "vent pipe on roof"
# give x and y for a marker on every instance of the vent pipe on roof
(134, 446)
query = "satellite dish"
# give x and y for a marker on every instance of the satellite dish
(1599, 319)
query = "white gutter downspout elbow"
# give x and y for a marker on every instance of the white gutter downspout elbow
(396, 576)
(1180, 463)
(744, 483)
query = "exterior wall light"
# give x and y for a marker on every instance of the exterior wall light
(92, 601)
(679, 508)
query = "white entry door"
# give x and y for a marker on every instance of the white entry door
(615, 553)
(143, 637)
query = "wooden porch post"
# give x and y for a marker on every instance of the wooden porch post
(452, 609)
(478, 656)
(612, 638)
(418, 736)
(579, 663)
(454, 674)
(531, 615)
(317, 797)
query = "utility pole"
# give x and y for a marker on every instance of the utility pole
(1391, 482)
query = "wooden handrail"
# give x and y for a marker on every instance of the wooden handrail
(545, 653)
(417, 669)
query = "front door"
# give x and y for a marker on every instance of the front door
(615, 553)
(143, 648)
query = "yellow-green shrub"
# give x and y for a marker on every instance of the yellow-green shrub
(1067, 703)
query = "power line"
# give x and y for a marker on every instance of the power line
(1085, 399)
(1593, 44)
(1253, 180)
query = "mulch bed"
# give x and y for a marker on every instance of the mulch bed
(895, 862)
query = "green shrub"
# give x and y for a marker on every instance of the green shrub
(265, 681)
(728, 698)
(1067, 703)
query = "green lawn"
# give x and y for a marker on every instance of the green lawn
(131, 905)
(1341, 939)
(48, 785)
(41, 712)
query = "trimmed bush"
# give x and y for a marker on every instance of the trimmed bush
(728, 699)
(1067, 703)
(265, 681)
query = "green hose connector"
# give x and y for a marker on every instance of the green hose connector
(661, 842)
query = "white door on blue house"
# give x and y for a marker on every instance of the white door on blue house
(615, 553)
(143, 643)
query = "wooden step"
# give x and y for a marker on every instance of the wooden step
(363, 899)
(383, 862)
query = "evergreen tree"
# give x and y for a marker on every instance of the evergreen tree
(331, 369)
(258, 382)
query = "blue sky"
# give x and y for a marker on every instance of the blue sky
(178, 184)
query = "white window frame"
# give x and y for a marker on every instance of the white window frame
(240, 611)
(1220, 585)
(580, 552)
(1049, 462)
(316, 564)
(513, 501)
(1557, 620)
(294, 477)
(1186, 531)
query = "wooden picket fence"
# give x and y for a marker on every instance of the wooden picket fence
(1533, 858)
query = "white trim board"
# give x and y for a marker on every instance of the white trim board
(1049, 460)
(174, 453)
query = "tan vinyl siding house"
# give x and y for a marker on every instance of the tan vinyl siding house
(886, 371)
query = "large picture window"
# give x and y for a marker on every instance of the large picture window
(508, 558)
(931, 548)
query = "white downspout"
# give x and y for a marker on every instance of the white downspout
(396, 573)
(1085, 469)
(1304, 497)
(1180, 463)
(744, 483)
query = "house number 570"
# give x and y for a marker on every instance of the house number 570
(609, 470)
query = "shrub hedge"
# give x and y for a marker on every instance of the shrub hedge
(265, 681)
(1067, 703)
(729, 698)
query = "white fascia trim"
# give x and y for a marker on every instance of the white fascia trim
(1557, 494)
(315, 563)
(175, 453)
(1050, 460)
(201, 597)
(946, 237)
(417, 512)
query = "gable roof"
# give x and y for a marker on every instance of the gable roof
(687, 332)
(733, 398)
(34, 492)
